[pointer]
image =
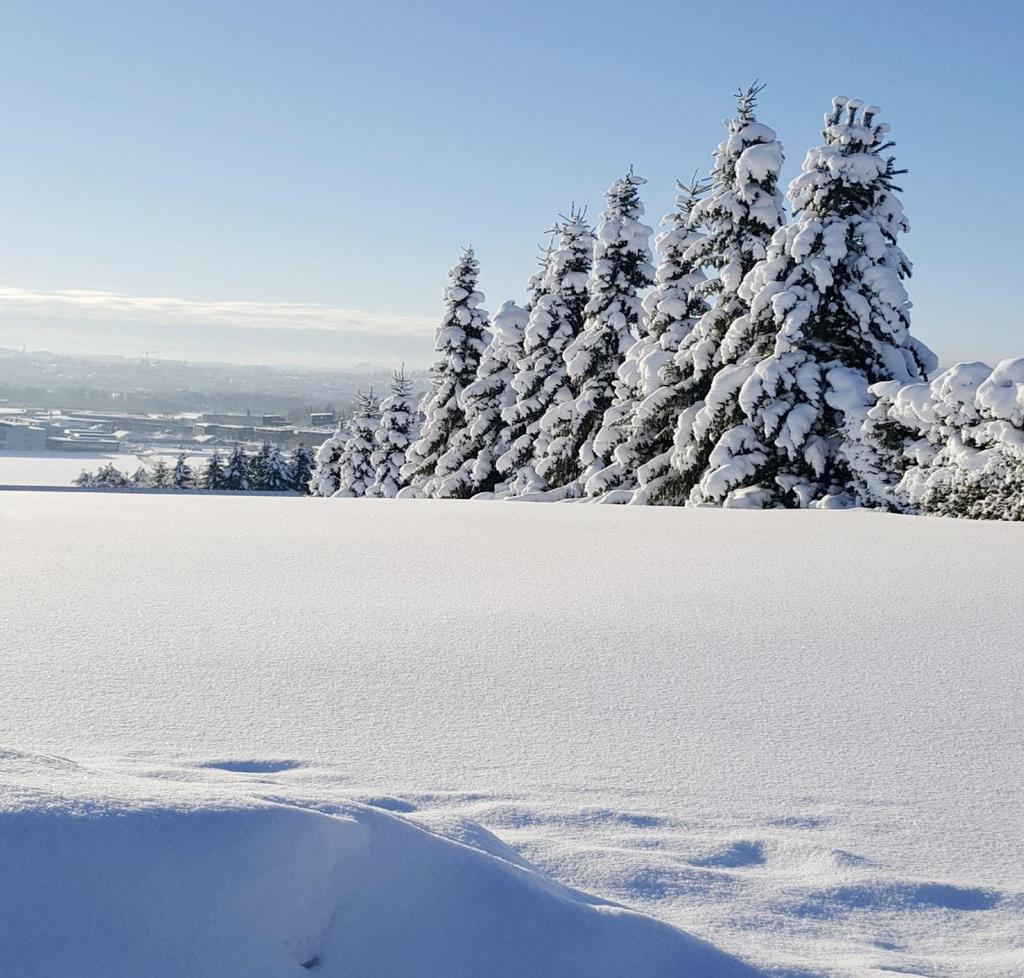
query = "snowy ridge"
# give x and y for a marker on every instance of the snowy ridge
(227, 870)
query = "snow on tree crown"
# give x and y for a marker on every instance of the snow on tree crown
(848, 174)
(622, 238)
(744, 206)
(569, 262)
(463, 276)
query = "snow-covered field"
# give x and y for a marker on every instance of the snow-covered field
(247, 734)
(59, 468)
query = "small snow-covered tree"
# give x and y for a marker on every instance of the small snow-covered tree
(213, 476)
(880, 447)
(398, 427)
(181, 474)
(257, 467)
(236, 475)
(540, 381)
(621, 268)
(277, 473)
(355, 469)
(829, 316)
(161, 476)
(969, 461)
(326, 473)
(140, 478)
(108, 476)
(469, 466)
(84, 480)
(637, 429)
(460, 341)
(301, 469)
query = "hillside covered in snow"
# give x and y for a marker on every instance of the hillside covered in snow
(271, 736)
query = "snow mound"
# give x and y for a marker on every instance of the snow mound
(122, 876)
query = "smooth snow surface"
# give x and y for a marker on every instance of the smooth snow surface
(252, 730)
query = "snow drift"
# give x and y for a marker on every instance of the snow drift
(198, 882)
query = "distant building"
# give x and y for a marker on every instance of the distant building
(312, 436)
(274, 421)
(16, 436)
(323, 419)
(83, 442)
(243, 420)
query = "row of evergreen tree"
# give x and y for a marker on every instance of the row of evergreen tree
(267, 470)
(744, 368)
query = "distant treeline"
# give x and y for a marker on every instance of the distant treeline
(267, 470)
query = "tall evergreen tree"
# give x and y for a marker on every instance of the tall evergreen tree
(355, 470)
(740, 214)
(829, 316)
(460, 341)
(540, 381)
(181, 475)
(638, 428)
(469, 466)
(301, 467)
(213, 472)
(621, 268)
(398, 427)
(236, 475)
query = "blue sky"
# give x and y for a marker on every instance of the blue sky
(289, 182)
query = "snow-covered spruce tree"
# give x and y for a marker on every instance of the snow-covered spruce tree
(621, 268)
(742, 211)
(161, 477)
(970, 460)
(398, 427)
(881, 448)
(257, 467)
(460, 340)
(355, 468)
(140, 478)
(301, 468)
(107, 476)
(540, 381)
(638, 428)
(181, 474)
(277, 473)
(327, 466)
(829, 316)
(236, 474)
(212, 476)
(469, 466)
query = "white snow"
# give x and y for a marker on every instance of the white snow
(248, 732)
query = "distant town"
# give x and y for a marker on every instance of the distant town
(56, 403)
(35, 430)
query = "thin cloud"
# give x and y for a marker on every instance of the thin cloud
(227, 313)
